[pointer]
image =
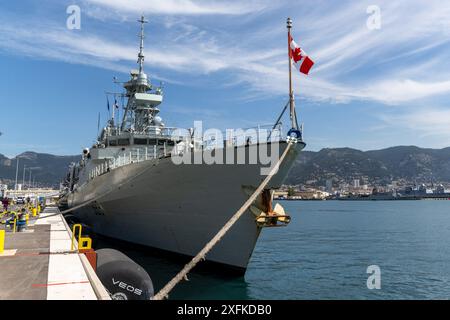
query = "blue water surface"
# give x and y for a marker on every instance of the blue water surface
(325, 251)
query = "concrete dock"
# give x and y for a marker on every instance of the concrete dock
(39, 264)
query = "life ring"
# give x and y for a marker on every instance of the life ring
(294, 134)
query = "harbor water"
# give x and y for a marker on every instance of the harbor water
(325, 251)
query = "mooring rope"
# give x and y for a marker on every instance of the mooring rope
(164, 292)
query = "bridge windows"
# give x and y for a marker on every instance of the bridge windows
(140, 141)
(123, 142)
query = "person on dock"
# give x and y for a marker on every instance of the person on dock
(21, 220)
(5, 203)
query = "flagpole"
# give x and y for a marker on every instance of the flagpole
(291, 92)
(113, 111)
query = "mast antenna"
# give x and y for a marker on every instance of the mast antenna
(141, 56)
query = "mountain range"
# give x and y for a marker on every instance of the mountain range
(341, 165)
(46, 169)
(378, 167)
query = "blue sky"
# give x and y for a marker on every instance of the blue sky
(224, 62)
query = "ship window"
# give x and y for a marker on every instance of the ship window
(171, 143)
(140, 141)
(161, 142)
(112, 142)
(151, 141)
(123, 142)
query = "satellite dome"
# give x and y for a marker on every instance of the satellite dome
(157, 120)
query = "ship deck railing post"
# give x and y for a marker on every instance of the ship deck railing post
(154, 151)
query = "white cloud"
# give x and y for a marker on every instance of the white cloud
(255, 56)
(424, 122)
(398, 91)
(181, 7)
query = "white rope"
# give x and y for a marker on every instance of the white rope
(164, 292)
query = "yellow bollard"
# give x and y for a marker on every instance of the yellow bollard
(34, 212)
(39, 209)
(27, 217)
(83, 242)
(73, 234)
(2, 241)
(15, 222)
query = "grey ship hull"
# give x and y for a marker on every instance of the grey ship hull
(178, 208)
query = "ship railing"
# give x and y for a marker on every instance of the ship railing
(234, 138)
(244, 136)
(135, 155)
(172, 133)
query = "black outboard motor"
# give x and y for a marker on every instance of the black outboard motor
(122, 277)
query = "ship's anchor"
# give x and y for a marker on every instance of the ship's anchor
(275, 218)
(265, 214)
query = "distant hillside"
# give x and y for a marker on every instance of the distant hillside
(340, 164)
(47, 169)
(378, 166)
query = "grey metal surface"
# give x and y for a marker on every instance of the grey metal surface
(176, 208)
(24, 275)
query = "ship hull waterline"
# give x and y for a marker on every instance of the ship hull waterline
(179, 208)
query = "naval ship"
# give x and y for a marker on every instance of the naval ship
(127, 185)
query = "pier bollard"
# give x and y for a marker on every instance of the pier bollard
(83, 242)
(34, 212)
(2, 241)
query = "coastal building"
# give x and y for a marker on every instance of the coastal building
(329, 185)
(3, 189)
(439, 189)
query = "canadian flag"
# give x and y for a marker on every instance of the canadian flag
(301, 60)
